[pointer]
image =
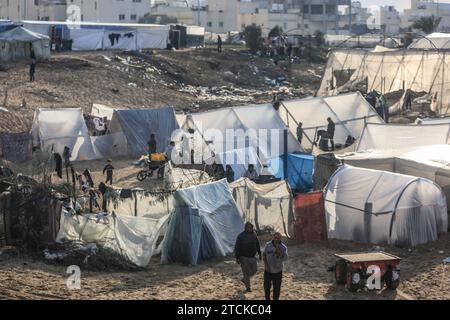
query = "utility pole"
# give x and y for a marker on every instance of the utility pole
(350, 17)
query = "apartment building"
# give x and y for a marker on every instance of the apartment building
(16, 10)
(427, 8)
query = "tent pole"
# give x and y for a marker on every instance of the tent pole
(285, 140)
(295, 121)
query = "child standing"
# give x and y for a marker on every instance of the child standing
(109, 169)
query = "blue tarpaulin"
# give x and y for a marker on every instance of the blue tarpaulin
(300, 171)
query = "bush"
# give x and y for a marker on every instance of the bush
(276, 32)
(253, 38)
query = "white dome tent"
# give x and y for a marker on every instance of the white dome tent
(383, 207)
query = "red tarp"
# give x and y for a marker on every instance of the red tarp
(310, 224)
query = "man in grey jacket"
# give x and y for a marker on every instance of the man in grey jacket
(275, 253)
(247, 245)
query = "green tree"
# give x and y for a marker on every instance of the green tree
(276, 32)
(427, 24)
(253, 38)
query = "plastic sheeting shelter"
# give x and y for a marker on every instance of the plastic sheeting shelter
(101, 111)
(416, 70)
(239, 160)
(432, 41)
(300, 171)
(430, 162)
(133, 238)
(310, 225)
(269, 207)
(138, 124)
(106, 36)
(54, 129)
(226, 129)
(204, 224)
(349, 112)
(382, 207)
(386, 137)
(15, 44)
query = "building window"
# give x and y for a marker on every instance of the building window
(133, 17)
(330, 9)
(209, 24)
(221, 24)
(306, 8)
(316, 9)
(121, 17)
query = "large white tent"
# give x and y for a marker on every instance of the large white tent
(382, 207)
(436, 40)
(391, 71)
(54, 129)
(16, 44)
(227, 129)
(269, 207)
(349, 112)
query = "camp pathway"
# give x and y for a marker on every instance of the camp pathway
(305, 277)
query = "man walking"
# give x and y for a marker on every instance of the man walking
(219, 44)
(300, 132)
(275, 253)
(330, 132)
(246, 247)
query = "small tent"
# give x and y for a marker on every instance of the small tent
(204, 224)
(138, 124)
(383, 207)
(269, 207)
(436, 40)
(300, 171)
(349, 112)
(16, 44)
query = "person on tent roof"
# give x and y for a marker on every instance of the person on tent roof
(300, 132)
(245, 249)
(275, 253)
(251, 173)
(229, 174)
(330, 132)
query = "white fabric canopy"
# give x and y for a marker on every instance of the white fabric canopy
(382, 207)
(268, 207)
(348, 111)
(132, 237)
(436, 40)
(239, 160)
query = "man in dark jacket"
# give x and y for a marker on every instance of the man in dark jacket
(247, 245)
(330, 132)
(109, 169)
(151, 145)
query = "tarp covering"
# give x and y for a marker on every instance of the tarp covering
(138, 124)
(268, 207)
(177, 178)
(15, 147)
(86, 39)
(382, 207)
(134, 238)
(393, 136)
(226, 129)
(300, 171)
(21, 34)
(109, 146)
(348, 111)
(310, 225)
(101, 111)
(204, 224)
(416, 70)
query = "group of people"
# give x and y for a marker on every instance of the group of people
(274, 255)
(323, 137)
(229, 173)
(378, 101)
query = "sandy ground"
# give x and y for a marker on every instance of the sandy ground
(305, 277)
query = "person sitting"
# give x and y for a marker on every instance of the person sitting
(229, 174)
(251, 173)
(350, 140)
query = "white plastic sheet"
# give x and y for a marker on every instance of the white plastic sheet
(406, 211)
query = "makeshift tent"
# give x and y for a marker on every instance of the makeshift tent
(239, 160)
(427, 121)
(393, 136)
(299, 172)
(101, 111)
(268, 207)
(430, 162)
(15, 44)
(204, 224)
(138, 124)
(226, 129)
(54, 129)
(177, 178)
(418, 70)
(382, 207)
(433, 41)
(349, 112)
(133, 238)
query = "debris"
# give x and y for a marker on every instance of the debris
(132, 84)
(107, 59)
